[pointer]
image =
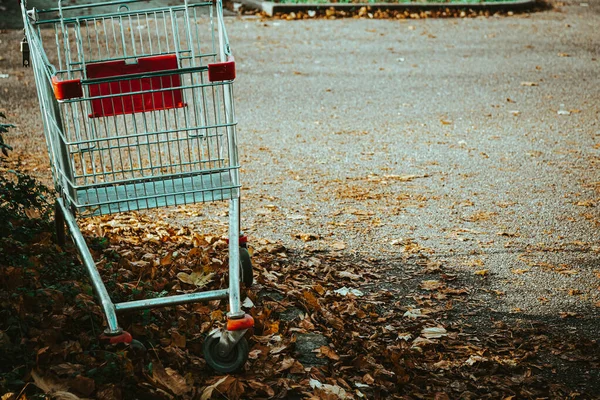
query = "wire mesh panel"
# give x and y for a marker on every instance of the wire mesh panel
(145, 111)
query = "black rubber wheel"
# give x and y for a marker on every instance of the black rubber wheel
(59, 225)
(137, 346)
(246, 267)
(230, 363)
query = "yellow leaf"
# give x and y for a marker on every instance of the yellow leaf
(475, 263)
(482, 272)
(519, 271)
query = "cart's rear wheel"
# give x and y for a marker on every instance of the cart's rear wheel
(229, 363)
(59, 225)
(246, 267)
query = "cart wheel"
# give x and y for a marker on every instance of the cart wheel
(137, 346)
(246, 267)
(59, 225)
(225, 364)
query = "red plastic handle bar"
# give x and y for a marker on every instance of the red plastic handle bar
(222, 71)
(69, 89)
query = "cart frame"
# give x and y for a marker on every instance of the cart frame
(142, 121)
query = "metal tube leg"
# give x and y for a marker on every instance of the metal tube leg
(105, 301)
(235, 308)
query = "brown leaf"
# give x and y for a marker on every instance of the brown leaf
(83, 385)
(306, 237)
(256, 385)
(45, 384)
(109, 392)
(233, 387)
(297, 368)
(328, 352)
(292, 365)
(67, 369)
(50, 387)
(278, 349)
(177, 339)
(311, 300)
(271, 327)
(169, 379)
(167, 259)
(431, 285)
(286, 364)
(307, 325)
(208, 391)
(568, 314)
(319, 289)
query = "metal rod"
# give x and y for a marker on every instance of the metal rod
(88, 261)
(117, 14)
(171, 300)
(78, 6)
(235, 307)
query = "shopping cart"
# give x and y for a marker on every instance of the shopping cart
(137, 108)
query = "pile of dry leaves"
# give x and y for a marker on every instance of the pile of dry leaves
(327, 326)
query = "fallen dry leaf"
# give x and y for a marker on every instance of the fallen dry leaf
(431, 285)
(434, 332)
(328, 352)
(208, 391)
(306, 237)
(198, 279)
(169, 379)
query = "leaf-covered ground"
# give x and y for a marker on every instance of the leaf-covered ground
(327, 326)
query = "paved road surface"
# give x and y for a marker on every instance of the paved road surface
(496, 118)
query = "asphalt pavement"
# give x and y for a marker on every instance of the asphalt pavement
(475, 141)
